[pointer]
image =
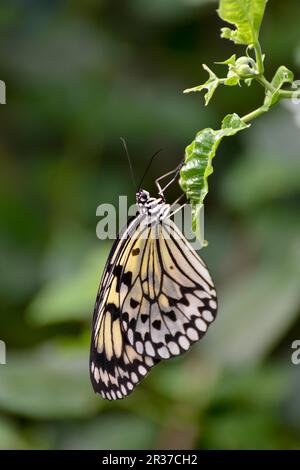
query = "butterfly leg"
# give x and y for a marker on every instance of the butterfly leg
(178, 208)
(157, 181)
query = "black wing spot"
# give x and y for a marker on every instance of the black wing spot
(184, 301)
(125, 317)
(156, 324)
(117, 274)
(127, 279)
(133, 303)
(135, 252)
(172, 302)
(138, 336)
(113, 310)
(117, 270)
(144, 317)
(171, 315)
(147, 336)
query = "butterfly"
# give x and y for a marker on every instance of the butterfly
(156, 298)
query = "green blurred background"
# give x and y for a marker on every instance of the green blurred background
(79, 75)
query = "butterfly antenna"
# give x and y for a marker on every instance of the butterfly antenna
(148, 166)
(129, 161)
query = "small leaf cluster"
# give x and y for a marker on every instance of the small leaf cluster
(245, 18)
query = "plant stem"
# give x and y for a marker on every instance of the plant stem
(265, 83)
(282, 93)
(259, 59)
(289, 93)
(255, 114)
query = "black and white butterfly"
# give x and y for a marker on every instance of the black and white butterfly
(156, 298)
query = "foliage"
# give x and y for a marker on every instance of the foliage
(246, 16)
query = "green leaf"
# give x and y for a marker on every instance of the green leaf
(213, 81)
(231, 124)
(198, 162)
(230, 61)
(281, 77)
(210, 85)
(232, 78)
(246, 16)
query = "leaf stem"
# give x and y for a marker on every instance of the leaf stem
(265, 83)
(255, 114)
(289, 93)
(286, 94)
(283, 94)
(259, 58)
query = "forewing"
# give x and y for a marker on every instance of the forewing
(115, 366)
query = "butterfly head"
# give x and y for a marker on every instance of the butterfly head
(151, 206)
(142, 197)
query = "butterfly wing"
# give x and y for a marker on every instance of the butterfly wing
(115, 366)
(172, 300)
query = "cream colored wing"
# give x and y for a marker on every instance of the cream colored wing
(115, 367)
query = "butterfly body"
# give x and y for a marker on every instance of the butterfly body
(156, 298)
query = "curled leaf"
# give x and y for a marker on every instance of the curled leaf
(198, 163)
(282, 76)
